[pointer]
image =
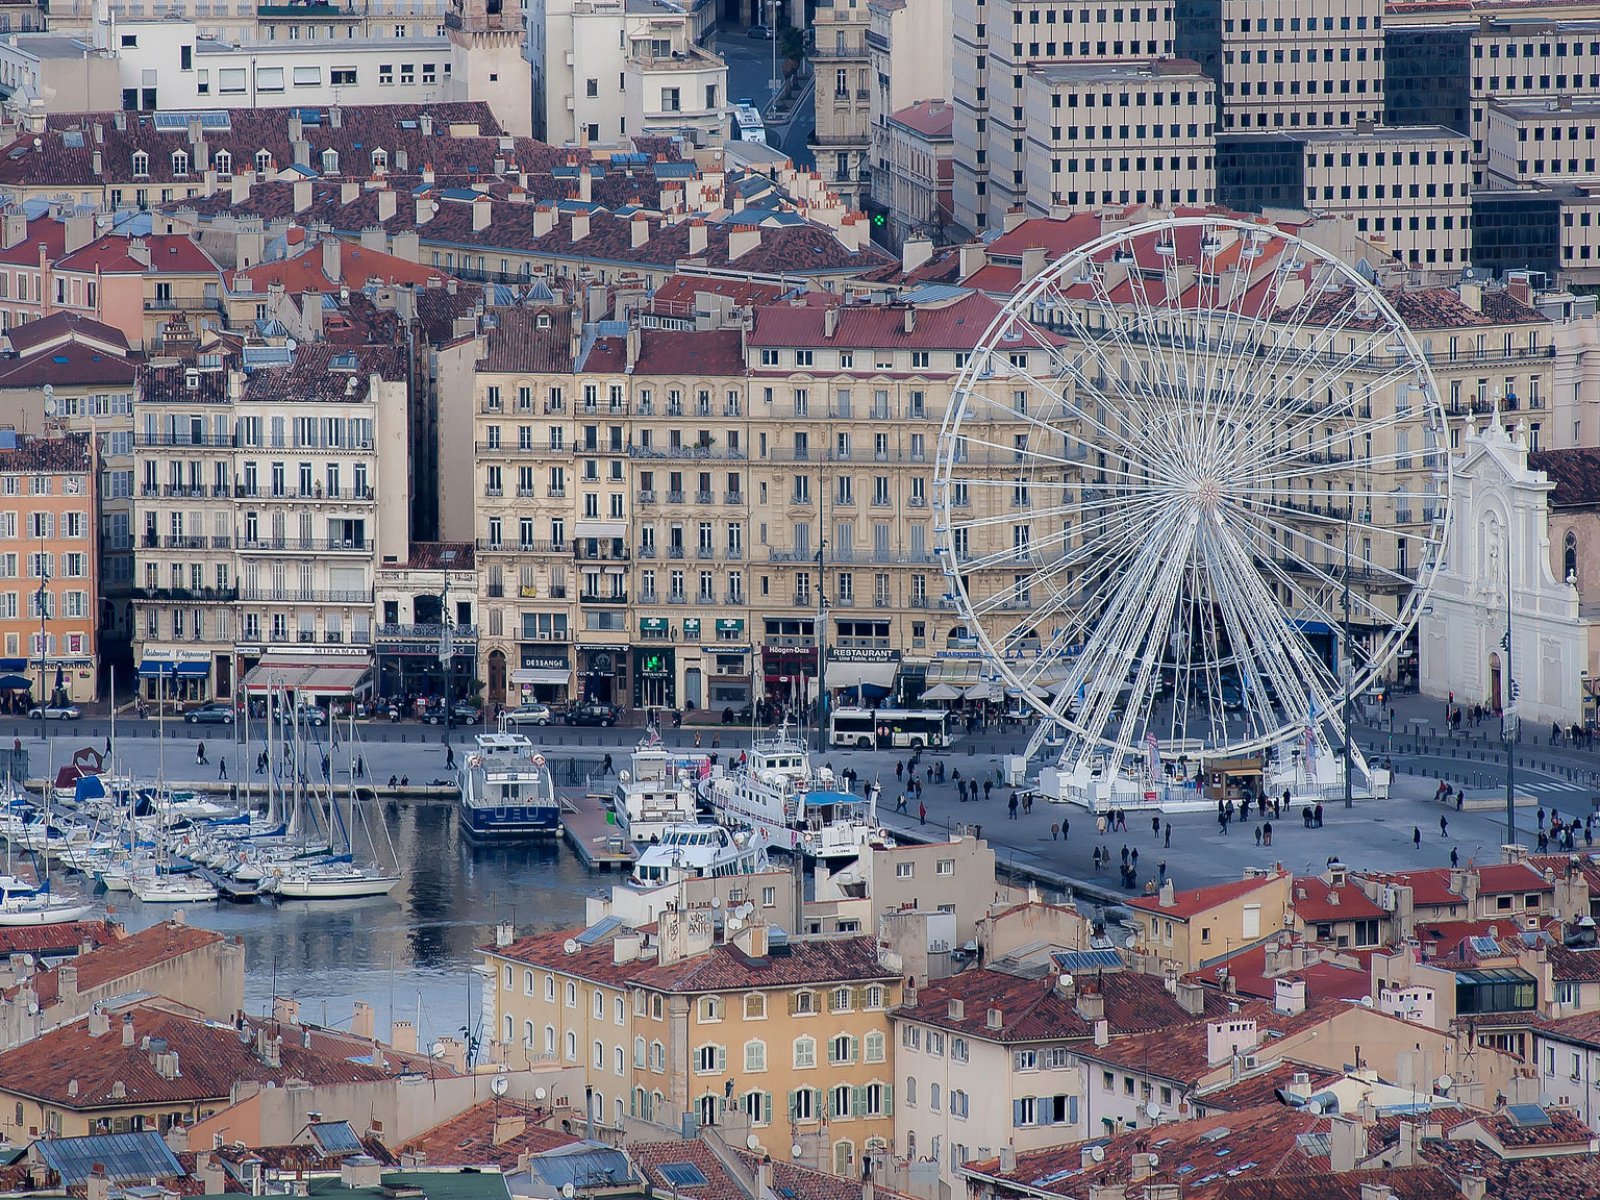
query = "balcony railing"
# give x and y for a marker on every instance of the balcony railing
(597, 598)
(307, 596)
(430, 633)
(301, 545)
(185, 595)
(224, 440)
(244, 491)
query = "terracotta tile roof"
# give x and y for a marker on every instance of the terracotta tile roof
(170, 254)
(675, 295)
(1247, 970)
(807, 962)
(1583, 1029)
(54, 940)
(1036, 1009)
(468, 1139)
(1262, 1087)
(1407, 1183)
(1175, 1052)
(787, 1177)
(537, 340)
(700, 352)
(137, 952)
(358, 266)
(71, 1068)
(46, 231)
(956, 325)
(1315, 899)
(1189, 904)
(170, 383)
(1429, 888)
(792, 1179)
(1427, 308)
(1562, 1127)
(1511, 877)
(930, 118)
(67, 364)
(1572, 965)
(1575, 472)
(295, 1159)
(63, 326)
(62, 453)
(431, 556)
(321, 372)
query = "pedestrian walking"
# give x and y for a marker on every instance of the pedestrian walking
(1258, 835)
(1055, 832)
(1124, 855)
(1416, 837)
(361, 766)
(449, 757)
(1096, 857)
(900, 803)
(200, 754)
(1444, 828)
(1011, 807)
(605, 765)
(1455, 859)
(261, 763)
(988, 787)
(1318, 811)
(1133, 858)
(1461, 798)
(899, 772)
(1166, 843)
(222, 768)
(1222, 823)
(1266, 833)
(1066, 828)
(1155, 826)
(922, 812)
(1540, 816)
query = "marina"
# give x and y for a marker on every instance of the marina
(589, 828)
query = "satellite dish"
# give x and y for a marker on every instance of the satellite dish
(1132, 942)
(1098, 1153)
(499, 1084)
(752, 1142)
(539, 1093)
(795, 1151)
(1443, 1084)
(1153, 1111)
(716, 902)
(623, 777)
(571, 946)
(436, 1050)
(568, 1190)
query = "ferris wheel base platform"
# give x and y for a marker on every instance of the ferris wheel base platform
(1097, 792)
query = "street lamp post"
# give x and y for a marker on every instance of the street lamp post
(446, 655)
(822, 654)
(1509, 705)
(772, 31)
(44, 600)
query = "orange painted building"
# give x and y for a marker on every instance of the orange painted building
(48, 544)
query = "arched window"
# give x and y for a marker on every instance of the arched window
(549, 1039)
(911, 1090)
(572, 994)
(180, 164)
(1569, 557)
(755, 1056)
(222, 161)
(263, 162)
(805, 1052)
(141, 165)
(549, 987)
(527, 982)
(330, 161)
(527, 1034)
(933, 1096)
(510, 1028)
(572, 1046)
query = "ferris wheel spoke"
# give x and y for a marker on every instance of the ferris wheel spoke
(1348, 407)
(1075, 410)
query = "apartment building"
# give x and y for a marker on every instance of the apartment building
(260, 24)
(1409, 190)
(909, 64)
(49, 641)
(1187, 928)
(914, 167)
(69, 373)
(1117, 134)
(994, 44)
(279, 479)
(842, 98)
(791, 1034)
(605, 71)
(1290, 65)
(1540, 141)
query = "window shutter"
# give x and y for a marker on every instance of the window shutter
(819, 1100)
(855, 1049)
(858, 1101)
(888, 1099)
(722, 1058)
(1016, 1113)
(1072, 1110)
(794, 1106)
(766, 1108)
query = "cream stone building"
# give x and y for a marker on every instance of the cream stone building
(1287, 65)
(909, 62)
(1117, 133)
(842, 98)
(914, 163)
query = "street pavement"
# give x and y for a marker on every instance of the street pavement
(1373, 834)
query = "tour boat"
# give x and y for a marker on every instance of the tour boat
(699, 852)
(840, 825)
(506, 790)
(657, 791)
(766, 792)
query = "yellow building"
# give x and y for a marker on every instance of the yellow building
(1193, 927)
(791, 1038)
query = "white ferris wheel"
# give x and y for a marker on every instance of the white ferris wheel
(1180, 463)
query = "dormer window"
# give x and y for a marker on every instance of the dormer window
(180, 164)
(380, 160)
(141, 165)
(263, 162)
(222, 161)
(330, 162)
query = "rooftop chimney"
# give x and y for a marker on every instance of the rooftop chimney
(424, 209)
(302, 194)
(504, 934)
(1347, 1144)
(332, 264)
(98, 1187)
(1090, 1005)
(580, 226)
(67, 980)
(482, 214)
(1191, 998)
(349, 191)
(640, 227)
(1168, 895)
(697, 237)
(387, 202)
(362, 1022)
(1289, 995)
(99, 1022)
(1141, 1167)
(741, 240)
(544, 219)
(127, 1029)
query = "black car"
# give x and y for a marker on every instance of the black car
(592, 713)
(214, 712)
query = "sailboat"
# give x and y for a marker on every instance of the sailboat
(337, 876)
(25, 904)
(158, 884)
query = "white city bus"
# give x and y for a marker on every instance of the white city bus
(886, 728)
(747, 124)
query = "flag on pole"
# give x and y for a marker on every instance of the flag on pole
(1152, 756)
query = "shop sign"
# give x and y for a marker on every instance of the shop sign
(870, 654)
(545, 662)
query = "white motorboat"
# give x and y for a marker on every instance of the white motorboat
(328, 880)
(842, 825)
(699, 852)
(765, 791)
(657, 791)
(171, 889)
(22, 904)
(506, 790)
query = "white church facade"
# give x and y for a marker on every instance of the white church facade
(1524, 527)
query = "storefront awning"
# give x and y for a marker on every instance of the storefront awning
(843, 675)
(982, 691)
(338, 677)
(942, 691)
(150, 668)
(547, 675)
(958, 672)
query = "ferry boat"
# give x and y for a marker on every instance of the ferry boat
(699, 852)
(657, 791)
(766, 792)
(506, 790)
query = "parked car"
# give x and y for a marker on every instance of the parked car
(592, 713)
(306, 714)
(761, 33)
(530, 714)
(464, 712)
(55, 712)
(213, 712)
